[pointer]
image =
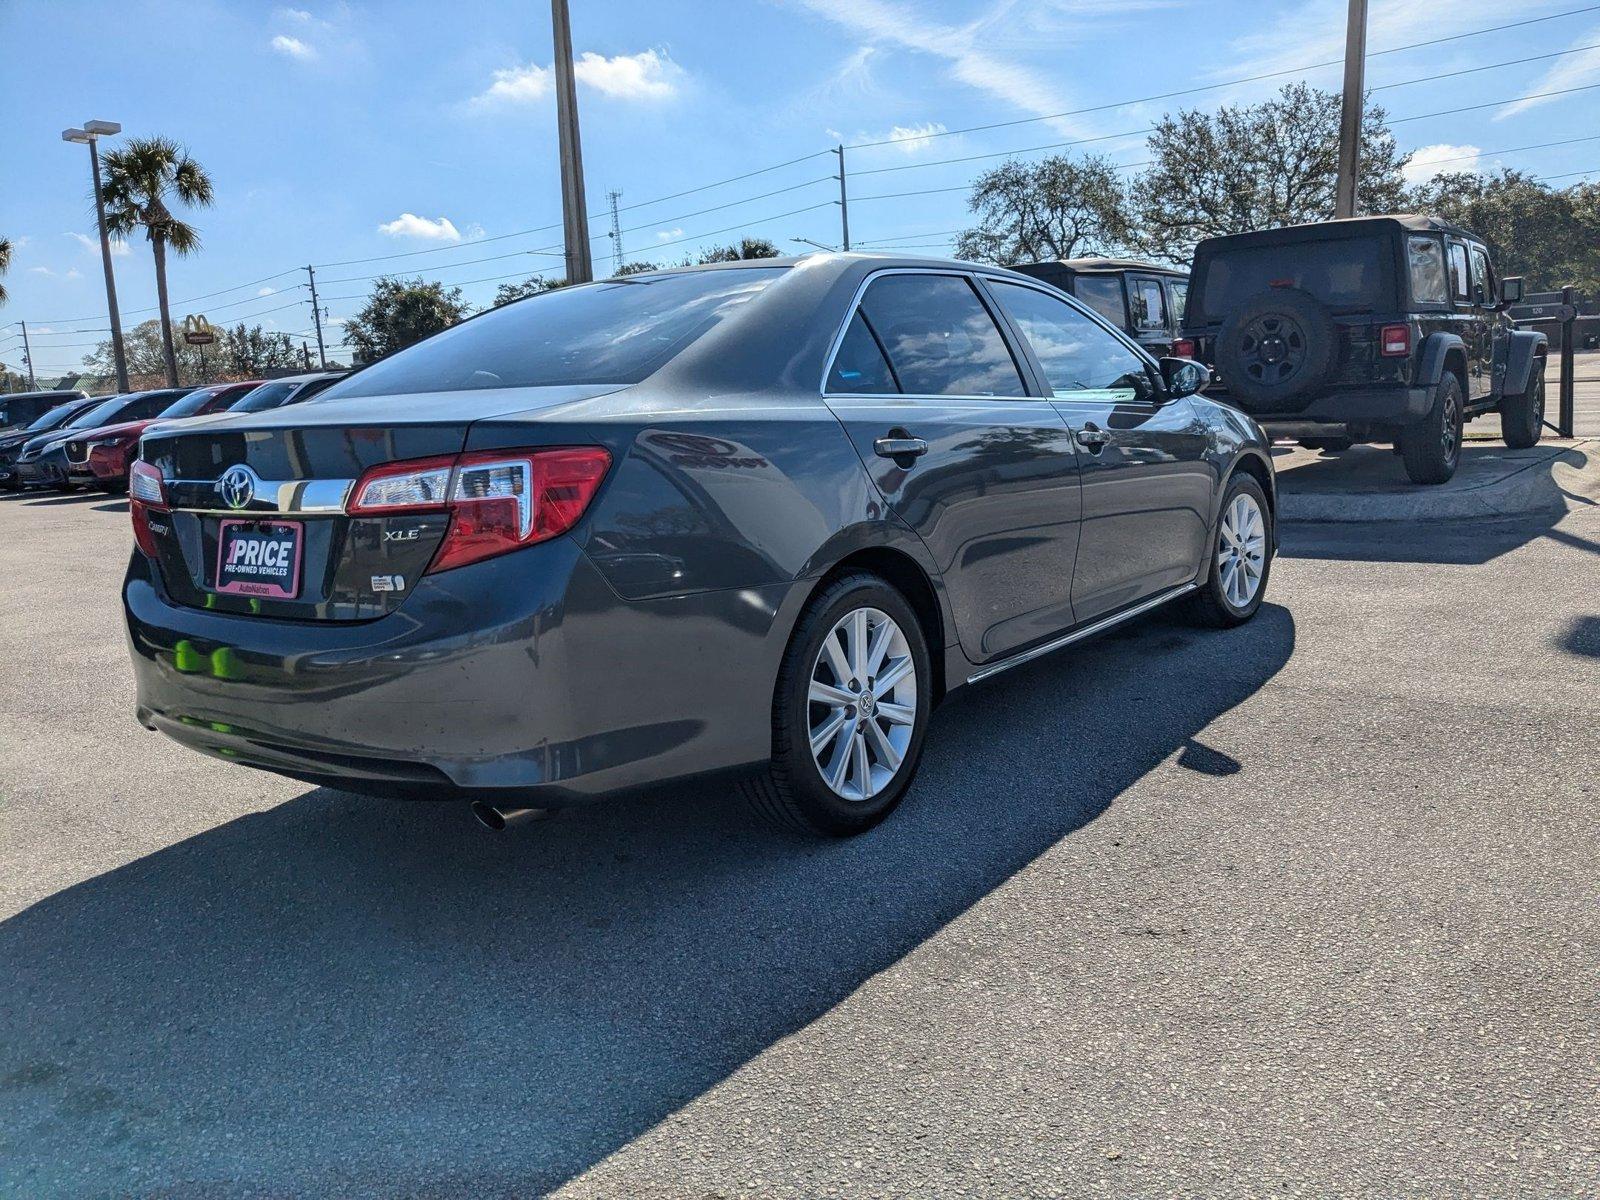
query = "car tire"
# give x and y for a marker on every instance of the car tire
(1278, 345)
(1431, 449)
(1240, 563)
(1522, 417)
(855, 777)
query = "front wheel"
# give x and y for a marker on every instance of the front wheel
(849, 713)
(1522, 417)
(1431, 449)
(1241, 557)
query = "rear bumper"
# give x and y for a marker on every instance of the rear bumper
(1398, 406)
(520, 676)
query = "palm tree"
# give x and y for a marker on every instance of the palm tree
(140, 176)
(5, 264)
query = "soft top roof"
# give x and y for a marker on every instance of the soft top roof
(1086, 266)
(1409, 222)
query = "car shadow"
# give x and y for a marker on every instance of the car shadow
(1582, 637)
(347, 995)
(65, 498)
(114, 506)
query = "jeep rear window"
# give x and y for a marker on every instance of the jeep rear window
(1342, 273)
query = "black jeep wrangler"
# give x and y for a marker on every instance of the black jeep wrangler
(1145, 300)
(1376, 329)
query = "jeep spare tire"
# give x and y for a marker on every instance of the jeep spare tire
(1277, 346)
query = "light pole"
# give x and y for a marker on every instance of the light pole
(817, 244)
(574, 208)
(90, 134)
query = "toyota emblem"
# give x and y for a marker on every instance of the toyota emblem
(237, 486)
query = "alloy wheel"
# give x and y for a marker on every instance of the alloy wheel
(1242, 550)
(1450, 435)
(862, 703)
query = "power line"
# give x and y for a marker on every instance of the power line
(1211, 87)
(1510, 62)
(1450, 112)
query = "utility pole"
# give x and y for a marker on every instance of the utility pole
(306, 351)
(844, 202)
(1355, 95)
(616, 234)
(574, 208)
(316, 314)
(91, 133)
(27, 357)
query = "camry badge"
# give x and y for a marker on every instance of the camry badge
(237, 486)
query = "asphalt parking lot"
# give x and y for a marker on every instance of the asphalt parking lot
(1307, 907)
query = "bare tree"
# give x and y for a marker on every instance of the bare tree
(1057, 207)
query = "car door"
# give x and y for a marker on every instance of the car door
(1147, 485)
(1468, 320)
(935, 402)
(1492, 332)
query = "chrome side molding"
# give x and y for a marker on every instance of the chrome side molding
(1077, 635)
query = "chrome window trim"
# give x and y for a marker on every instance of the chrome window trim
(972, 278)
(294, 497)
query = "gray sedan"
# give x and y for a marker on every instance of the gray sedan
(756, 519)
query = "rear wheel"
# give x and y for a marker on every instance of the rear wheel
(1522, 417)
(1431, 449)
(850, 711)
(1241, 557)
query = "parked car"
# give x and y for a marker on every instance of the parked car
(101, 456)
(20, 409)
(1145, 300)
(1384, 329)
(759, 516)
(11, 443)
(291, 389)
(42, 461)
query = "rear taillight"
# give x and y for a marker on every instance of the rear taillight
(498, 500)
(146, 493)
(1185, 348)
(1394, 341)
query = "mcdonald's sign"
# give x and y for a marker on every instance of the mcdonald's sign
(197, 331)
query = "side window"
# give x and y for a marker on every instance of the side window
(860, 366)
(1103, 293)
(1180, 298)
(1076, 354)
(1426, 256)
(1482, 289)
(149, 407)
(1458, 271)
(939, 338)
(1149, 310)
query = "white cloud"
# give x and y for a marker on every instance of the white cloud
(998, 75)
(119, 249)
(298, 15)
(912, 139)
(1428, 161)
(649, 75)
(666, 235)
(409, 225)
(1572, 70)
(266, 291)
(293, 47)
(69, 273)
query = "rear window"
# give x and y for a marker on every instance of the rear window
(1426, 258)
(1342, 273)
(616, 331)
(268, 395)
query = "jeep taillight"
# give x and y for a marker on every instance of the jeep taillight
(146, 493)
(1185, 348)
(1394, 341)
(498, 500)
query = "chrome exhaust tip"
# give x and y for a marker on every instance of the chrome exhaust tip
(501, 819)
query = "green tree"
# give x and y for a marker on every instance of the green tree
(1257, 166)
(637, 268)
(1057, 207)
(400, 312)
(147, 359)
(140, 178)
(1549, 236)
(251, 353)
(746, 248)
(5, 264)
(534, 285)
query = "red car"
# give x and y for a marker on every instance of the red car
(102, 456)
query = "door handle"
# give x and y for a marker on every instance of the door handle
(898, 448)
(1093, 439)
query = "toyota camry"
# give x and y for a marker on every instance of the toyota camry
(756, 518)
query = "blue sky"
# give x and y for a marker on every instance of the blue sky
(353, 131)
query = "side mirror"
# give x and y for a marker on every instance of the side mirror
(1184, 377)
(1511, 290)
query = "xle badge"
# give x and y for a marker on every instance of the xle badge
(388, 583)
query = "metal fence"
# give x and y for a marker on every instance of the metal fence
(1570, 322)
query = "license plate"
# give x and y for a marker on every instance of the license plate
(259, 558)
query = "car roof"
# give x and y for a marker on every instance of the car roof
(63, 393)
(1388, 222)
(1086, 266)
